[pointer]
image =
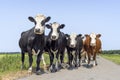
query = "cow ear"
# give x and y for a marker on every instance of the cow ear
(98, 35)
(31, 19)
(79, 35)
(82, 37)
(62, 26)
(48, 26)
(47, 19)
(86, 35)
(67, 36)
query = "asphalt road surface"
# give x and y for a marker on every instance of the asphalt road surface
(105, 70)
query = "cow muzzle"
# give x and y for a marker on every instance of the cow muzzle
(53, 37)
(93, 44)
(72, 45)
(38, 31)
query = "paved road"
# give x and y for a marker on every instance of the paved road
(105, 70)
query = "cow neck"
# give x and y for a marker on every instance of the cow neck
(39, 38)
(54, 44)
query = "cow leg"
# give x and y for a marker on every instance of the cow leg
(44, 63)
(79, 59)
(51, 55)
(89, 58)
(69, 57)
(30, 62)
(86, 57)
(75, 59)
(94, 60)
(56, 61)
(22, 58)
(39, 56)
(62, 59)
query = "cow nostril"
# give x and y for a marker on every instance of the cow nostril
(72, 45)
(37, 30)
(53, 37)
(92, 44)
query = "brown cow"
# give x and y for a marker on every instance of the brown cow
(92, 46)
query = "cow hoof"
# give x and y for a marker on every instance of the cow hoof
(51, 70)
(67, 65)
(55, 70)
(88, 65)
(78, 65)
(70, 68)
(30, 70)
(75, 65)
(63, 66)
(38, 72)
(96, 64)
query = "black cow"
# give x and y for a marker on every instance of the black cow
(74, 46)
(56, 45)
(33, 41)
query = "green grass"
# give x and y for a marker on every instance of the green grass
(112, 57)
(12, 62)
(9, 62)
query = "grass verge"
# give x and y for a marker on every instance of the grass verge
(112, 57)
(10, 65)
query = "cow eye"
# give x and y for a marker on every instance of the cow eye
(42, 23)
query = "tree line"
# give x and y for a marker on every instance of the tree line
(111, 51)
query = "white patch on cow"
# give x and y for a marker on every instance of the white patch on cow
(34, 53)
(44, 63)
(93, 39)
(51, 68)
(73, 61)
(56, 64)
(55, 33)
(55, 61)
(73, 40)
(94, 63)
(39, 18)
(84, 56)
(30, 69)
(54, 51)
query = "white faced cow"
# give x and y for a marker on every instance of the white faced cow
(33, 41)
(92, 46)
(57, 42)
(74, 46)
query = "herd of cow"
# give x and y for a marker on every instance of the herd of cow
(34, 41)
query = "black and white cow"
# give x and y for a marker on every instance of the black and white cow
(33, 41)
(56, 45)
(74, 46)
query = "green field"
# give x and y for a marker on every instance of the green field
(11, 63)
(112, 57)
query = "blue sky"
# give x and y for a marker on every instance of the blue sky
(79, 16)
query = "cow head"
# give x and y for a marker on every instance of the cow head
(72, 39)
(55, 30)
(93, 38)
(39, 21)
